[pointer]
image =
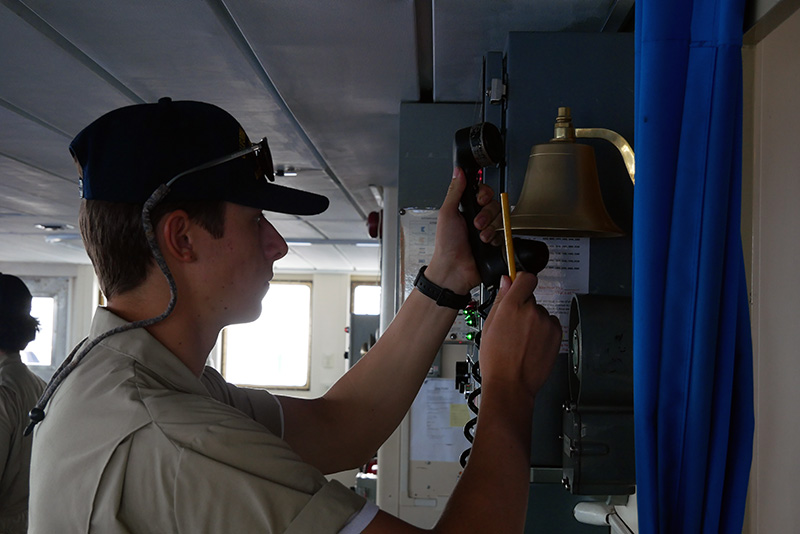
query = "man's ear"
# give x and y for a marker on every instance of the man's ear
(176, 229)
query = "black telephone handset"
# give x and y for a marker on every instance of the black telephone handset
(474, 148)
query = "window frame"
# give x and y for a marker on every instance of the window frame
(304, 387)
(58, 288)
(356, 283)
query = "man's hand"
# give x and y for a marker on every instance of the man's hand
(520, 338)
(452, 265)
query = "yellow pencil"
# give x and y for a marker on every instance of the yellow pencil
(512, 267)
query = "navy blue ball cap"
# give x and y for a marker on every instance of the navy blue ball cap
(129, 152)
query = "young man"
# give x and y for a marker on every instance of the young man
(140, 436)
(19, 390)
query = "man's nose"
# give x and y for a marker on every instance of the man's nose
(274, 243)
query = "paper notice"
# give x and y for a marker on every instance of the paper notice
(438, 416)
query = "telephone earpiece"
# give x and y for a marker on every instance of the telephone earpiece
(474, 148)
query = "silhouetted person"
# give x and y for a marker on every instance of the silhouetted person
(19, 391)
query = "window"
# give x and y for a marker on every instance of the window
(50, 305)
(365, 305)
(366, 299)
(39, 352)
(274, 350)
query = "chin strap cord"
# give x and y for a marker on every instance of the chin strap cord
(37, 414)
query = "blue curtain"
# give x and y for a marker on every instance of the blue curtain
(693, 382)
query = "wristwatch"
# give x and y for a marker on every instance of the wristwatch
(443, 297)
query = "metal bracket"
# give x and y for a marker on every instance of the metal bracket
(497, 92)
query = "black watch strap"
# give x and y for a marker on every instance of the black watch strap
(443, 297)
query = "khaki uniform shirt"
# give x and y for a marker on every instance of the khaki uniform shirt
(19, 391)
(132, 441)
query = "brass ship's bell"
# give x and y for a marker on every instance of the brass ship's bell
(561, 193)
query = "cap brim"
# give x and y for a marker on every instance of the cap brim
(282, 199)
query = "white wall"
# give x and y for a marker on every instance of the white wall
(772, 130)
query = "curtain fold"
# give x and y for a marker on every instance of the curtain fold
(693, 391)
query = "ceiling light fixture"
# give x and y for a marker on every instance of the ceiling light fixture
(286, 172)
(334, 242)
(53, 227)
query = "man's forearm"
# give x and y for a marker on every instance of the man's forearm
(384, 383)
(345, 427)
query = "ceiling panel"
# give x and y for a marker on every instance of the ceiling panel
(328, 255)
(46, 82)
(35, 146)
(20, 250)
(338, 258)
(365, 259)
(293, 262)
(293, 230)
(323, 81)
(343, 68)
(33, 192)
(179, 49)
(337, 229)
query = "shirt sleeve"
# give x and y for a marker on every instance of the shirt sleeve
(258, 404)
(8, 424)
(258, 485)
(359, 522)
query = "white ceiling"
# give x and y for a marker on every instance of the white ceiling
(322, 80)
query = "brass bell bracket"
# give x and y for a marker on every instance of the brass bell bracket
(564, 131)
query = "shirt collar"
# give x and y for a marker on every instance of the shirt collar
(146, 350)
(10, 356)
